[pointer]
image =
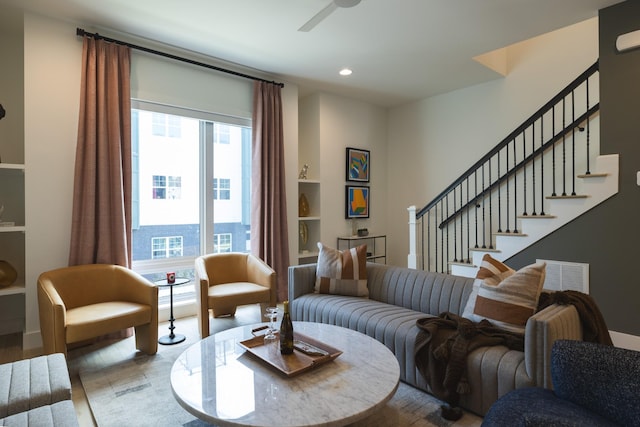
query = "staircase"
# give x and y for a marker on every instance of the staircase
(533, 182)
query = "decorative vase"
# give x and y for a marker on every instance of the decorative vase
(8, 274)
(303, 206)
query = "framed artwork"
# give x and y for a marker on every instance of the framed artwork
(358, 164)
(357, 201)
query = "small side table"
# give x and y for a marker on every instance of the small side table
(171, 338)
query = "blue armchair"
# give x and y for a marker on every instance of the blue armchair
(594, 385)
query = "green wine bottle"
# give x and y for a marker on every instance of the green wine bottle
(286, 331)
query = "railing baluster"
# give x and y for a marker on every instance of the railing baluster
(499, 199)
(515, 190)
(461, 227)
(564, 150)
(490, 209)
(533, 169)
(507, 185)
(588, 172)
(484, 228)
(468, 228)
(573, 144)
(542, 165)
(553, 156)
(524, 175)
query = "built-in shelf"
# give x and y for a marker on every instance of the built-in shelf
(12, 290)
(309, 226)
(12, 229)
(11, 166)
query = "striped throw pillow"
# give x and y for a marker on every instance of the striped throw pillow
(342, 272)
(492, 272)
(507, 299)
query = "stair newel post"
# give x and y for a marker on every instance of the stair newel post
(542, 165)
(573, 144)
(412, 258)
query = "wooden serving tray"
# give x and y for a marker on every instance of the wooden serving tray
(290, 364)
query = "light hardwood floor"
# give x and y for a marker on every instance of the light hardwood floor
(11, 350)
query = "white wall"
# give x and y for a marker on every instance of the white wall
(341, 123)
(52, 58)
(433, 141)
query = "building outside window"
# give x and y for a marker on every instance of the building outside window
(166, 247)
(222, 243)
(221, 189)
(176, 217)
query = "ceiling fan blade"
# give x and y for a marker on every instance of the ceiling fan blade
(308, 26)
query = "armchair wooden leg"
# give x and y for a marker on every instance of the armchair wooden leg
(224, 310)
(146, 340)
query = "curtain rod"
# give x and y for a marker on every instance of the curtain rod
(80, 32)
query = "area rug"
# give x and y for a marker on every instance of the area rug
(125, 387)
(137, 392)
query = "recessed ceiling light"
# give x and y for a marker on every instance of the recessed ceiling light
(345, 72)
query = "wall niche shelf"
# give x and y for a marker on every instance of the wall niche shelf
(309, 226)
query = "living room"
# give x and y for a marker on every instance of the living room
(47, 88)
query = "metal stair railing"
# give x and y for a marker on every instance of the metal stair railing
(545, 151)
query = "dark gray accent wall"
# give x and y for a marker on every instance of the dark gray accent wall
(607, 237)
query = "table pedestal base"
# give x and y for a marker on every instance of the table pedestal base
(169, 340)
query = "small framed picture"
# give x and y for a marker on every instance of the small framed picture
(358, 164)
(357, 201)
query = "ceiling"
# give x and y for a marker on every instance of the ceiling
(399, 50)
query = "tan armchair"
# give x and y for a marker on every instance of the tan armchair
(87, 301)
(227, 280)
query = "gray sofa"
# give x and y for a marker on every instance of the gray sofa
(36, 392)
(400, 296)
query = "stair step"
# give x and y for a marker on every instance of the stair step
(463, 264)
(593, 175)
(536, 216)
(484, 249)
(574, 196)
(502, 233)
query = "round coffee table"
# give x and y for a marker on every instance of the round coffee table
(219, 382)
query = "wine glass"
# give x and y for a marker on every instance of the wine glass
(272, 315)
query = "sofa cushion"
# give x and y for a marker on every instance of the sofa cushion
(509, 302)
(342, 272)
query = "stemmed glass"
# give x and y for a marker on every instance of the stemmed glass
(272, 315)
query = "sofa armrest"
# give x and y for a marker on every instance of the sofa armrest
(302, 280)
(542, 330)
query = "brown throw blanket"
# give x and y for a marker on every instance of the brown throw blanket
(594, 328)
(443, 343)
(441, 353)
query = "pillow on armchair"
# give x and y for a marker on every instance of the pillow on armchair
(342, 272)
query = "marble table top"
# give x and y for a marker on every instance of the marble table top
(219, 382)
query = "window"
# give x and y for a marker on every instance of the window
(222, 134)
(221, 189)
(222, 243)
(166, 187)
(166, 247)
(175, 158)
(166, 125)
